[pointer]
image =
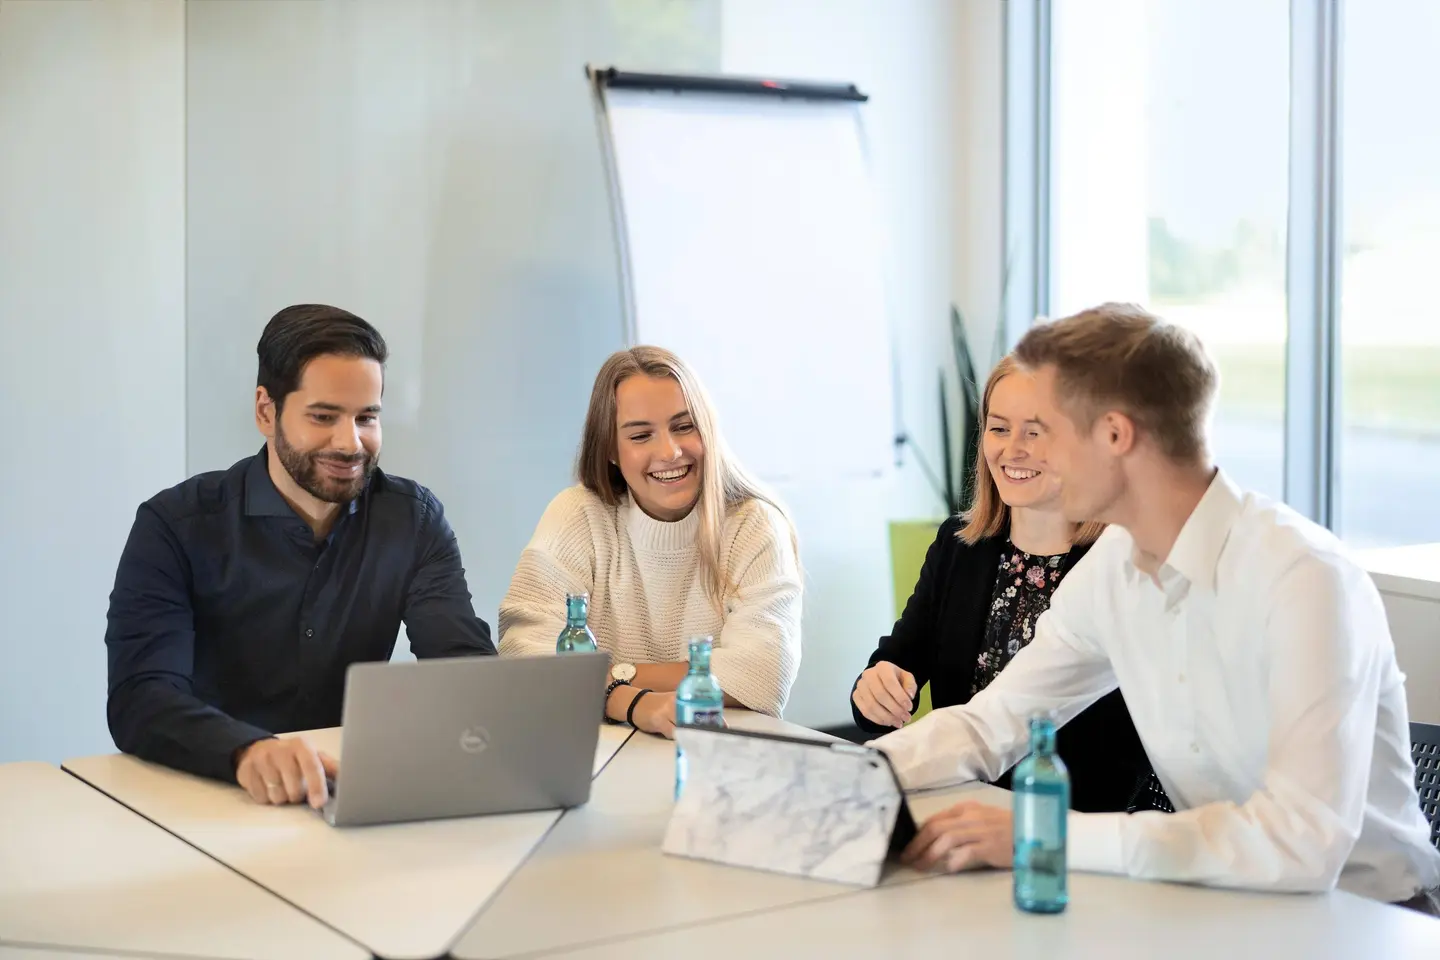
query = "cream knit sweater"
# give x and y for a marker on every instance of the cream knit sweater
(647, 597)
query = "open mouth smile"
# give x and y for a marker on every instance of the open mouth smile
(670, 476)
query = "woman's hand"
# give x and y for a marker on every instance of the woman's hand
(886, 695)
(655, 713)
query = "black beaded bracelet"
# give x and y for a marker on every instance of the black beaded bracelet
(630, 714)
(605, 704)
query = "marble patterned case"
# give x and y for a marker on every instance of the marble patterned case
(825, 810)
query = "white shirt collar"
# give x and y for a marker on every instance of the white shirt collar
(1195, 556)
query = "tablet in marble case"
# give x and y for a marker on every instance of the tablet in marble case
(829, 811)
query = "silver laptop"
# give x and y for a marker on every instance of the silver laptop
(467, 735)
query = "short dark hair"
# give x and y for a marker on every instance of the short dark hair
(300, 333)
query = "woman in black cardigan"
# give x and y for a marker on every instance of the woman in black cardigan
(986, 579)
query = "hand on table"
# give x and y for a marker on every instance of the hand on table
(285, 771)
(886, 694)
(966, 836)
(655, 713)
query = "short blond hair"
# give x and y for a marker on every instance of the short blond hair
(1119, 356)
(988, 515)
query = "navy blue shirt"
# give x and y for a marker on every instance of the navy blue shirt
(229, 622)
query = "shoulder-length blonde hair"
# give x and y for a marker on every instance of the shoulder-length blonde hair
(724, 483)
(988, 515)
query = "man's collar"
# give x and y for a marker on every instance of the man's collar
(1195, 555)
(262, 499)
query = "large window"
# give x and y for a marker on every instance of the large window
(1172, 144)
(1389, 481)
(1169, 165)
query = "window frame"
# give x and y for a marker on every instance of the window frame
(1312, 422)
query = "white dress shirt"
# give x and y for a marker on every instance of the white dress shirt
(1259, 670)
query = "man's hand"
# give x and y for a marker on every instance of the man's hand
(886, 694)
(966, 836)
(655, 713)
(285, 771)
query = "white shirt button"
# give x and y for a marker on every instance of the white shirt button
(1181, 678)
(1194, 748)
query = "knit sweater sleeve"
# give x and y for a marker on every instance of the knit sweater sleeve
(559, 559)
(758, 653)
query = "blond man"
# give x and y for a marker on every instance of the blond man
(1253, 652)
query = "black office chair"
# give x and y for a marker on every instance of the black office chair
(1149, 794)
(1425, 751)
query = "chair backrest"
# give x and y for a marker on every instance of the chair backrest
(1425, 751)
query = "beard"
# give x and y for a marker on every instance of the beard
(304, 468)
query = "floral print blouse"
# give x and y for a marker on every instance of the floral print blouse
(1023, 586)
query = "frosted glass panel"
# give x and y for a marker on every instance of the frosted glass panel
(435, 168)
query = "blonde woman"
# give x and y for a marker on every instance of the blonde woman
(671, 539)
(986, 580)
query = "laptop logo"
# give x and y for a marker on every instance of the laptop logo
(474, 739)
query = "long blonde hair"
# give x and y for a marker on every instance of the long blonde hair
(988, 514)
(724, 483)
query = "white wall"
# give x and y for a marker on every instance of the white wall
(900, 54)
(1409, 582)
(1415, 629)
(435, 168)
(92, 339)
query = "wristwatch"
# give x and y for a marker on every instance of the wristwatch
(620, 676)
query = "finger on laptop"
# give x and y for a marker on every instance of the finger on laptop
(308, 765)
(292, 780)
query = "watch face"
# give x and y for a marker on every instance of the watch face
(622, 671)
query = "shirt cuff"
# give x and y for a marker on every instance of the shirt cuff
(1095, 842)
(894, 746)
(918, 762)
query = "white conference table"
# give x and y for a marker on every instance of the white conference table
(64, 953)
(8, 952)
(602, 869)
(401, 890)
(80, 873)
(621, 898)
(971, 915)
(592, 883)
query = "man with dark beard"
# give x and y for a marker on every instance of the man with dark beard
(243, 595)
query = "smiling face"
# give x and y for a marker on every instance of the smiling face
(1015, 445)
(1088, 460)
(327, 432)
(659, 450)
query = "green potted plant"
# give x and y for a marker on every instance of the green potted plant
(954, 483)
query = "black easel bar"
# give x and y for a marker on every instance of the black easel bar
(747, 86)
